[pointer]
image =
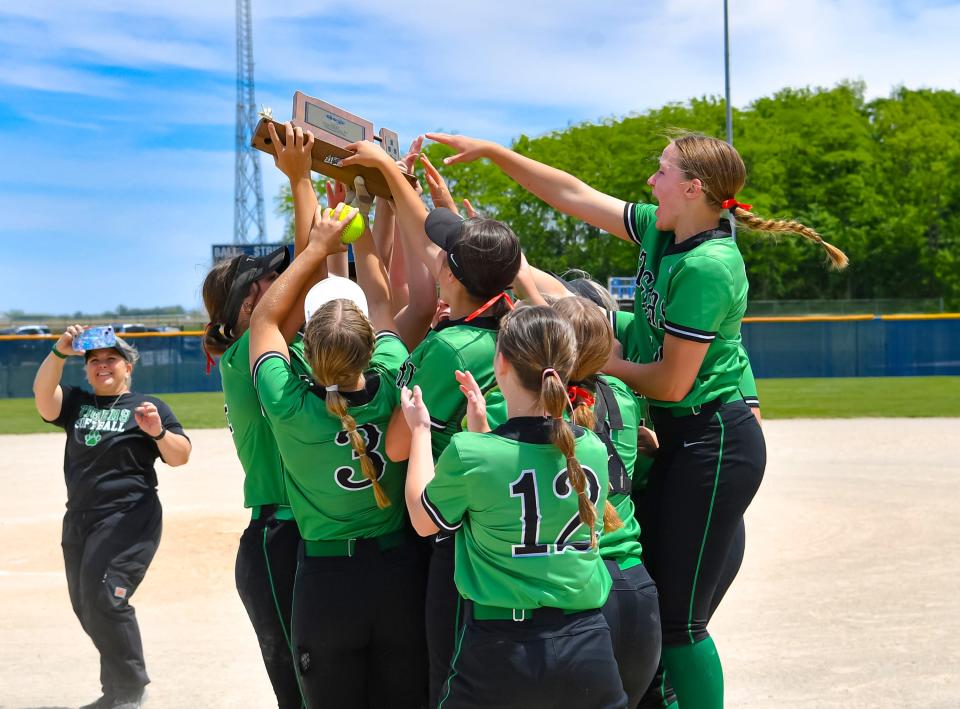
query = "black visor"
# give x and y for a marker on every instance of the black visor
(245, 271)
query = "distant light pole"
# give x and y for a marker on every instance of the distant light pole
(726, 81)
(726, 73)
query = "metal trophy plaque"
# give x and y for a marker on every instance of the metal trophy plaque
(333, 129)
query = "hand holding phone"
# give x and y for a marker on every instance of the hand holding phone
(95, 338)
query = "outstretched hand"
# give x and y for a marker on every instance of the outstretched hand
(439, 191)
(65, 344)
(476, 404)
(466, 149)
(368, 154)
(414, 410)
(293, 156)
(327, 227)
(336, 193)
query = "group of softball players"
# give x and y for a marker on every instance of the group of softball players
(458, 498)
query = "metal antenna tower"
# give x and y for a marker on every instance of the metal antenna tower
(248, 219)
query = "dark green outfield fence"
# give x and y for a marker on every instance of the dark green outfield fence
(169, 362)
(842, 346)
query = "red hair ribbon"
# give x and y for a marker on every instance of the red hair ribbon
(580, 395)
(734, 204)
(210, 361)
(489, 304)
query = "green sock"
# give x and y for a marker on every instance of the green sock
(696, 674)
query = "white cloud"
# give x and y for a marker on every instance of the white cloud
(149, 73)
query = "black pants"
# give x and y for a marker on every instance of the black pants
(633, 614)
(358, 628)
(443, 614)
(551, 660)
(265, 571)
(660, 693)
(106, 555)
(706, 472)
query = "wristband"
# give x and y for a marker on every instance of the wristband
(57, 352)
(163, 432)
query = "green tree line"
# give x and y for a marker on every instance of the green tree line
(877, 178)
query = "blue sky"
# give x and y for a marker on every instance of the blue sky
(117, 125)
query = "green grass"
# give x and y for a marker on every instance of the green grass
(779, 398)
(858, 397)
(195, 410)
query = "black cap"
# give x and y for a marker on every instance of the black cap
(245, 271)
(446, 228)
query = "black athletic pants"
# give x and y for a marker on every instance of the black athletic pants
(358, 628)
(106, 555)
(706, 472)
(660, 693)
(633, 614)
(443, 614)
(265, 570)
(549, 661)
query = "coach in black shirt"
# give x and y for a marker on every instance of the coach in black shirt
(112, 526)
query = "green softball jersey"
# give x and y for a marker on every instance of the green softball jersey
(695, 290)
(522, 544)
(329, 495)
(451, 345)
(621, 545)
(263, 482)
(623, 331)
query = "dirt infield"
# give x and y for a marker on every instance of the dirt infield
(848, 597)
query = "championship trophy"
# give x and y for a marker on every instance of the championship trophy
(333, 129)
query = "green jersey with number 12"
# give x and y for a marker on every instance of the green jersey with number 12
(522, 544)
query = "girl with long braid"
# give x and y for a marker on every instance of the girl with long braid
(521, 502)
(357, 619)
(683, 352)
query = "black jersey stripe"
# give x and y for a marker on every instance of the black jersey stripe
(437, 424)
(688, 333)
(435, 515)
(752, 401)
(386, 333)
(263, 358)
(630, 221)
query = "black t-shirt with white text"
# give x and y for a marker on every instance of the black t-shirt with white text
(108, 460)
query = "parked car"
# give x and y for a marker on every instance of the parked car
(132, 327)
(31, 330)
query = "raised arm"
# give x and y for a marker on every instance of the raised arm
(284, 295)
(47, 394)
(420, 469)
(293, 159)
(413, 318)
(559, 189)
(372, 276)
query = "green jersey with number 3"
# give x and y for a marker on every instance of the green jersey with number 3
(522, 544)
(330, 496)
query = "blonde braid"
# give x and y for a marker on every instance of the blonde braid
(838, 259)
(554, 396)
(337, 406)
